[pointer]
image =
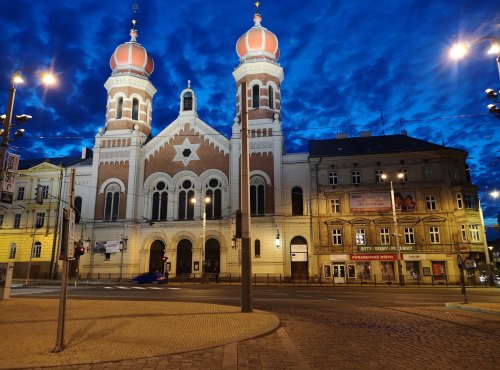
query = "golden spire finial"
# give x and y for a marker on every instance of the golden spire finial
(257, 4)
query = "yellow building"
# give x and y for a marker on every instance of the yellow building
(30, 230)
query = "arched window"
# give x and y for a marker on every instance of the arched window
(119, 107)
(187, 101)
(78, 209)
(112, 202)
(214, 192)
(257, 195)
(135, 109)
(297, 202)
(271, 97)
(36, 252)
(255, 96)
(186, 206)
(160, 202)
(257, 248)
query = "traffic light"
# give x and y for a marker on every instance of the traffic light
(79, 251)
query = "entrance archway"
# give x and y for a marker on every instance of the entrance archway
(299, 259)
(155, 256)
(184, 257)
(212, 256)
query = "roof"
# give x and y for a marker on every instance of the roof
(369, 145)
(59, 161)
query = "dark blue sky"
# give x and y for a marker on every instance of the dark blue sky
(345, 62)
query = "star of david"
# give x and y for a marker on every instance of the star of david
(186, 152)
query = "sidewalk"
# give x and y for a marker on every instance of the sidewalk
(101, 331)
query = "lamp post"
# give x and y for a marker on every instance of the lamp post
(123, 247)
(203, 232)
(401, 278)
(47, 79)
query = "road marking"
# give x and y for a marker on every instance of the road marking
(332, 299)
(31, 291)
(139, 287)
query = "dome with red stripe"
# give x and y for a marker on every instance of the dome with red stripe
(132, 57)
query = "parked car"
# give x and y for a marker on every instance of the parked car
(149, 278)
(496, 280)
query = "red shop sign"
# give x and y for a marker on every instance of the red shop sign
(375, 257)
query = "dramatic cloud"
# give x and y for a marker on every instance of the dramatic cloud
(350, 66)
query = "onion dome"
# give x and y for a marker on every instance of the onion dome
(131, 57)
(258, 42)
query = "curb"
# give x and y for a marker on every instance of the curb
(466, 307)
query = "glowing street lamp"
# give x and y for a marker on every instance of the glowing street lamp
(396, 228)
(47, 79)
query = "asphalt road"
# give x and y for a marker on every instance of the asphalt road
(269, 296)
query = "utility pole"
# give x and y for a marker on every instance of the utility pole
(246, 262)
(67, 253)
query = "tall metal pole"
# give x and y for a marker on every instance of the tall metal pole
(203, 230)
(396, 234)
(66, 239)
(246, 262)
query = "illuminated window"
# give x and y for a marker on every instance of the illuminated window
(474, 233)
(360, 237)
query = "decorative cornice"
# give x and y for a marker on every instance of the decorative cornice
(258, 67)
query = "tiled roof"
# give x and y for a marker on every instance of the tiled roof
(369, 145)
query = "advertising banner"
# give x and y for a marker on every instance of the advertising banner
(9, 180)
(109, 246)
(381, 202)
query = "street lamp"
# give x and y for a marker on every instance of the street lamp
(47, 79)
(278, 241)
(203, 231)
(123, 247)
(461, 49)
(396, 228)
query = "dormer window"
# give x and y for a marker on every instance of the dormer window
(255, 96)
(187, 101)
(135, 109)
(119, 107)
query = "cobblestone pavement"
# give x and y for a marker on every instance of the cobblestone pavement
(344, 336)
